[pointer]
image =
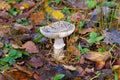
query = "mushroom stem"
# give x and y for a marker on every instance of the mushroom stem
(58, 48)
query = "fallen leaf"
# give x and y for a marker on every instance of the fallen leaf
(30, 47)
(81, 4)
(88, 70)
(99, 65)
(22, 29)
(84, 31)
(37, 17)
(35, 62)
(16, 75)
(97, 56)
(70, 67)
(112, 36)
(23, 69)
(4, 6)
(24, 5)
(77, 17)
(56, 14)
(15, 46)
(1, 45)
(72, 49)
(4, 15)
(37, 77)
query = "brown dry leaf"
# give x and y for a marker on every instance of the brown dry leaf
(23, 69)
(99, 65)
(72, 40)
(22, 29)
(77, 17)
(16, 75)
(36, 62)
(3, 32)
(70, 67)
(37, 77)
(4, 15)
(4, 6)
(84, 31)
(36, 18)
(72, 49)
(30, 47)
(97, 56)
(15, 46)
(24, 5)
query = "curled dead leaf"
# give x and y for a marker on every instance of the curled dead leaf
(35, 62)
(70, 67)
(84, 31)
(97, 56)
(24, 5)
(30, 47)
(77, 17)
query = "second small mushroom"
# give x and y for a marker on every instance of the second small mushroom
(58, 31)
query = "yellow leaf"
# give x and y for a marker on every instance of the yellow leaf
(57, 14)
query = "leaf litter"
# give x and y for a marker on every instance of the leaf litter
(20, 21)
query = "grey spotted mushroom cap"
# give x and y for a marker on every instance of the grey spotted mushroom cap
(57, 29)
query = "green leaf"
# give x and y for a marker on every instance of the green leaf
(91, 3)
(101, 50)
(2, 62)
(25, 53)
(3, 68)
(115, 75)
(6, 59)
(58, 76)
(93, 35)
(99, 38)
(11, 61)
(57, 1)
(85, 50)
(91, 40)
(66, 10)
(80, 26)
(13, 12)
(110, 4)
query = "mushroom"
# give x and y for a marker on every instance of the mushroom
(58, 31)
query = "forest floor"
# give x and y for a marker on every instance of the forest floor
(91, 52)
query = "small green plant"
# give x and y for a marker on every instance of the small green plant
(91, 3)
(110, 4)
(80, 26)
(58, 1)
(12, 55)
(66, 10)
(101, 49)
(94, 38)
(115, 75)
(82, 51)
(13, 12)
(23, 21)
(59, 76)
